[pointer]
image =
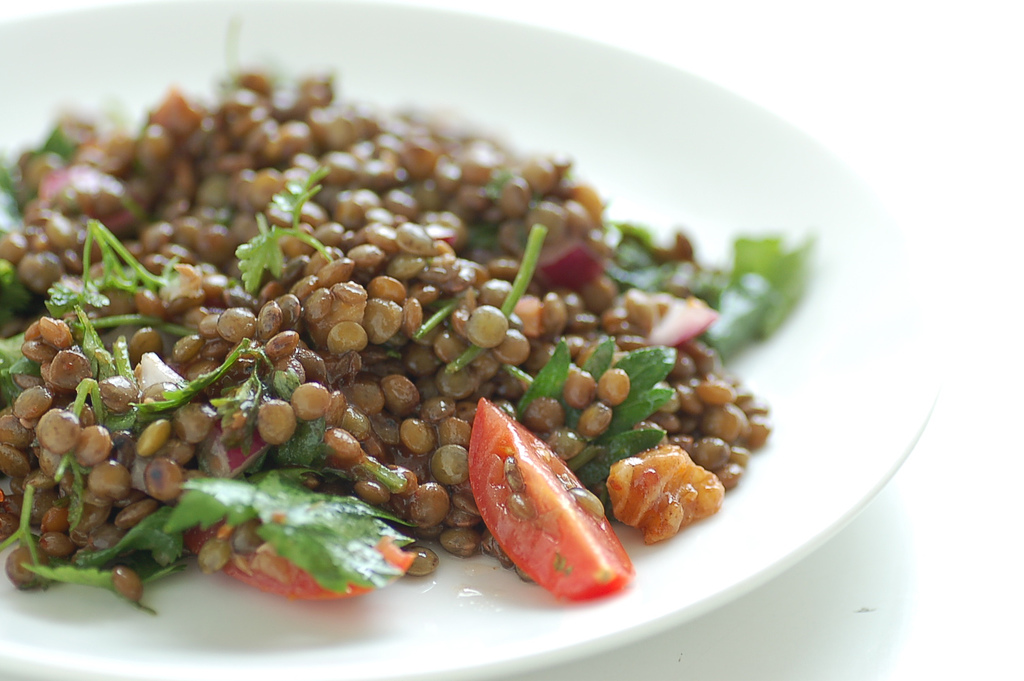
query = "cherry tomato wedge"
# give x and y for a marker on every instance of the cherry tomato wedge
(522, 491)
(274, 574)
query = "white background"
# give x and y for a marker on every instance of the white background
(925, 100)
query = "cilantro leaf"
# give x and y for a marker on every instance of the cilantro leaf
(295, 195)
(258, 255)
(333, 538)
(497, 183)
(121, 271)
(104, 578)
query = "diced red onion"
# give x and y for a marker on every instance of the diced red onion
(683, 320)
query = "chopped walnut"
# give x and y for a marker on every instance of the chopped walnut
(661, 491)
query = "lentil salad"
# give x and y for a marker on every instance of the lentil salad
(281, 301)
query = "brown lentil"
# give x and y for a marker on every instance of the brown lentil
(127, 582)
(613, 387)
(276, 422)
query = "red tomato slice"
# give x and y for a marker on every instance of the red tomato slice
(521, 489)
(274, 574)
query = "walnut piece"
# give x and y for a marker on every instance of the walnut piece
(661, 491)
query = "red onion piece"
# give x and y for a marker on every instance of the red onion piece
(683, 320)
(571, 266)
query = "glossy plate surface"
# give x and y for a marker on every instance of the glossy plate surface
(847, 377)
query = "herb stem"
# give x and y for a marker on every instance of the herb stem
(528, 265)
(191, 389)
(114, 321)
(534, 243)
(384, 475)
(24, 532)
(583, 458)
(516, 372)
(150, 280)
(442, 313)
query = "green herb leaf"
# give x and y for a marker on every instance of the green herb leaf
(284, 383)
(103, 578)
(149, 535)
(173, 399)
(59, 143)
(92, 347)
(295, 195)
(121, 271)
(12, 363)
(14, 297)
(497, 183)
(64, 296)
(601, 358)
(646, 367)
(550, 380)
(237, 408)
(306, 447)
(333, 538)
(593, 464)
(10, 212)
(263, 253)
(634, 265)
(765, 284)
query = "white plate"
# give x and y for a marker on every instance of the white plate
(847, 376)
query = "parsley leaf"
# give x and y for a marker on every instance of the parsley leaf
(593, 464)
(173, 399)
(121, 271)
(333, 538)
(238, 407)
(146, 548)
(148, 535)
(550, 380)
(646, 367)
(263, 252)
(306, 446)
(766, 282)
(600, 359)
(59, 143)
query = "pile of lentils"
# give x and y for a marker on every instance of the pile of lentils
(404, 198)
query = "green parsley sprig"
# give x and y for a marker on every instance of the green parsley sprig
(263, 252)
(173, 399)
(121, 271)
(333, 538)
